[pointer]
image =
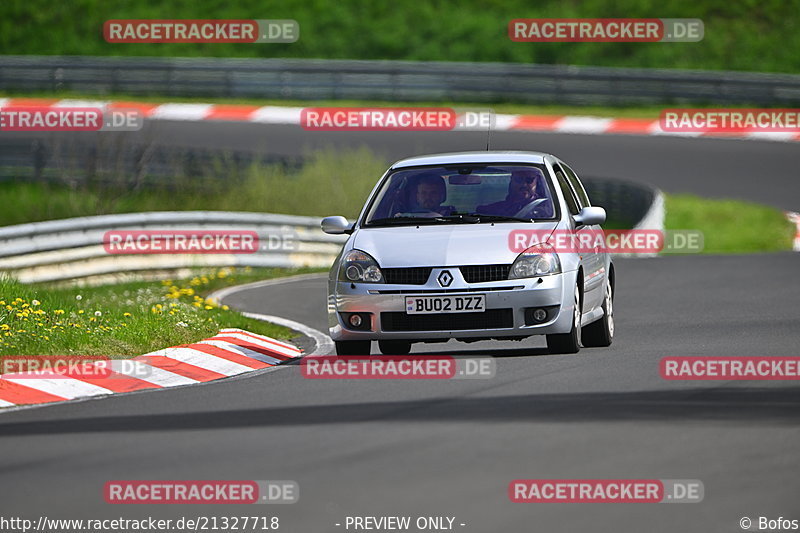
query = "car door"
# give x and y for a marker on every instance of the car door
(592, 257)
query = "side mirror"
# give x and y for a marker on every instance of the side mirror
(336, 225)
(590, 216)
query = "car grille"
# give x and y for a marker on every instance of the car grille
(489, 319)
(407, 276)
(483, 273)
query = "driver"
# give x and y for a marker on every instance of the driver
(522, 190)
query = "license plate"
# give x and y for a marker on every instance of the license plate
(457, 303)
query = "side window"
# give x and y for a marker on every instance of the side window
(566, 190)
(583, 198)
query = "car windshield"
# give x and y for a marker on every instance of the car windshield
(463, 194)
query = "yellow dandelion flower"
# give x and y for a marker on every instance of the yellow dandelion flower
(126, 314)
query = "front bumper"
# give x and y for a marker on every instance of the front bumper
(505, 315)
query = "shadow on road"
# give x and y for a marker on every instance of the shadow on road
(779, 405)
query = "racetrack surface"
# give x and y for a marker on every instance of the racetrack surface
(450, 448)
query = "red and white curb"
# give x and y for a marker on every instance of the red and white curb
(795, 218)
(291, 115)
(229, 353)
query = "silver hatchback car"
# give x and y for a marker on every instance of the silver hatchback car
(461, 246)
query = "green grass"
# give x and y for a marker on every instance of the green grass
(330, 183)
(123, 320)
(730, 226)
(757, 35)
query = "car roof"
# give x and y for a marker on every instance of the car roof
(454, 158)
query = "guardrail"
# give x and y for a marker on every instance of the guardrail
(101, 160)
(310, 79)
(73, 249)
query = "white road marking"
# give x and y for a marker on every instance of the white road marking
(182, 111)
(203, 360)
(63, 387)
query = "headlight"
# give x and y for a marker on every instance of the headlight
(360, 266)
(538, 260)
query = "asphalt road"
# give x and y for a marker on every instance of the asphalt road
(450, 448)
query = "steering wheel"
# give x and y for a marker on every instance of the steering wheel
(529, 209)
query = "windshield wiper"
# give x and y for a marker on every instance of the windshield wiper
(468, 218)
(463, 218)
(449, 219)
(399, 221)
(498, 218)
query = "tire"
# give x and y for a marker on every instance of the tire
(568, 342)
(394, 347)
(601, 333)
(353, 347)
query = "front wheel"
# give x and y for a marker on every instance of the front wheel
(568, 342)
(601, 332)
(353, 347)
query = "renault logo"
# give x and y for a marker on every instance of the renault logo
(445, 278)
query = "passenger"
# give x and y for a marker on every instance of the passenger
(429, 193)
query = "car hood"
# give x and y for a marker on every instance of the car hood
(443, 245)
